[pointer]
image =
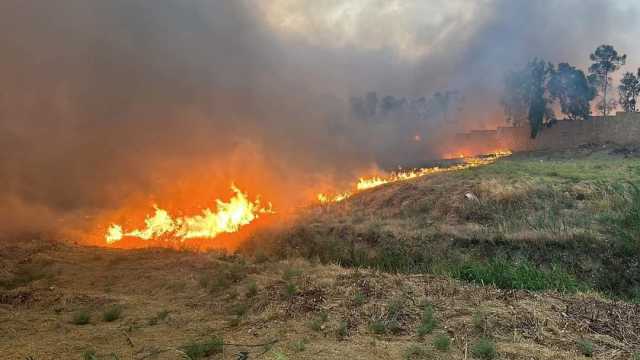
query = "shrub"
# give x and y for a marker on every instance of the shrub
(239, 310)
(224, 276)
(200, 350)
(25, 274)
(160, 316)
(343, 330)
(416, 352)
(89, 355)
(291, 290)
(442, 342)
(378, 327)
(316, 324)
(484, 349)
(252, 289)
(359, 298)
(81, 318)
(480, 321)
(234, 321)
(112, 314)
(585, 347)
(299, 345)
(427, 321)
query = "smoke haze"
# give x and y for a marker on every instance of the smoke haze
(107, 102)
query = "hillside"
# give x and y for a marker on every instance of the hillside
(533, 257)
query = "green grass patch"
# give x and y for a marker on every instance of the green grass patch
(442, 342)
(112, 314)
(89, 355)
(81, 318)
(427, 321)
(585, 347)
(203, 349)
(484, 349)
(359, 298)
(378, 327)
(291, 290)
(516, 275)
(316, 323)
(252, 289)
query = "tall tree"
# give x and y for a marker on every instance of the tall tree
(628, 91)
(371, 104)
(606, 60)
(442, 102)
(570, 87)
(526, 98)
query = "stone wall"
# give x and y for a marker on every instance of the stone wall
(622, 128)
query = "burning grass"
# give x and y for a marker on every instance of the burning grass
(557, 221)
(529, 226)
(365, 183)
(228, 217)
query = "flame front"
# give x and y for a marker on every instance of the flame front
(229, 217)
(368, 183)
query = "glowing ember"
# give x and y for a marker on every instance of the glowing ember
(229, 217)
(368, 183)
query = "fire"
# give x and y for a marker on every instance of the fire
(323, 198)
(368, 183)
(229, 217)
(364, 184)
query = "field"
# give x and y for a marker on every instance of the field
(533, 257)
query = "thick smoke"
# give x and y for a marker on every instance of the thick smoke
(102, 102)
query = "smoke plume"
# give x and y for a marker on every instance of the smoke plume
(105, 103)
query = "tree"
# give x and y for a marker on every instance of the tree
(442, 102)
(516, 98)
(390, 104)
(525, 97)
(628, 91)
(605, 61)
(570, 87)
(371, 104)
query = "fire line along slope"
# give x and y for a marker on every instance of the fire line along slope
(539, 265)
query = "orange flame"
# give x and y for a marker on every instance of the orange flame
(229, 217)
(368, 183)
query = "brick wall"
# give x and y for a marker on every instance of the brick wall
(622, 128)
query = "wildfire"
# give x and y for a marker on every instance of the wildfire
(229, 217)
(368, 183)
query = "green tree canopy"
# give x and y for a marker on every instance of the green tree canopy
(628, 91)
(606, 60)
(526, 99)
(570, 87)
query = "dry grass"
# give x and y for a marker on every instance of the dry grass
(550, 210)
(164, 322)
(352, 280)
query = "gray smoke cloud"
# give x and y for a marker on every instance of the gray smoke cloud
(102, 101)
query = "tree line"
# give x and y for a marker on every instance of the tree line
(532, 91)
(441, 104)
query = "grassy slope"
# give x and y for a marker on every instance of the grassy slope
(169, 300)
(573, 212)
